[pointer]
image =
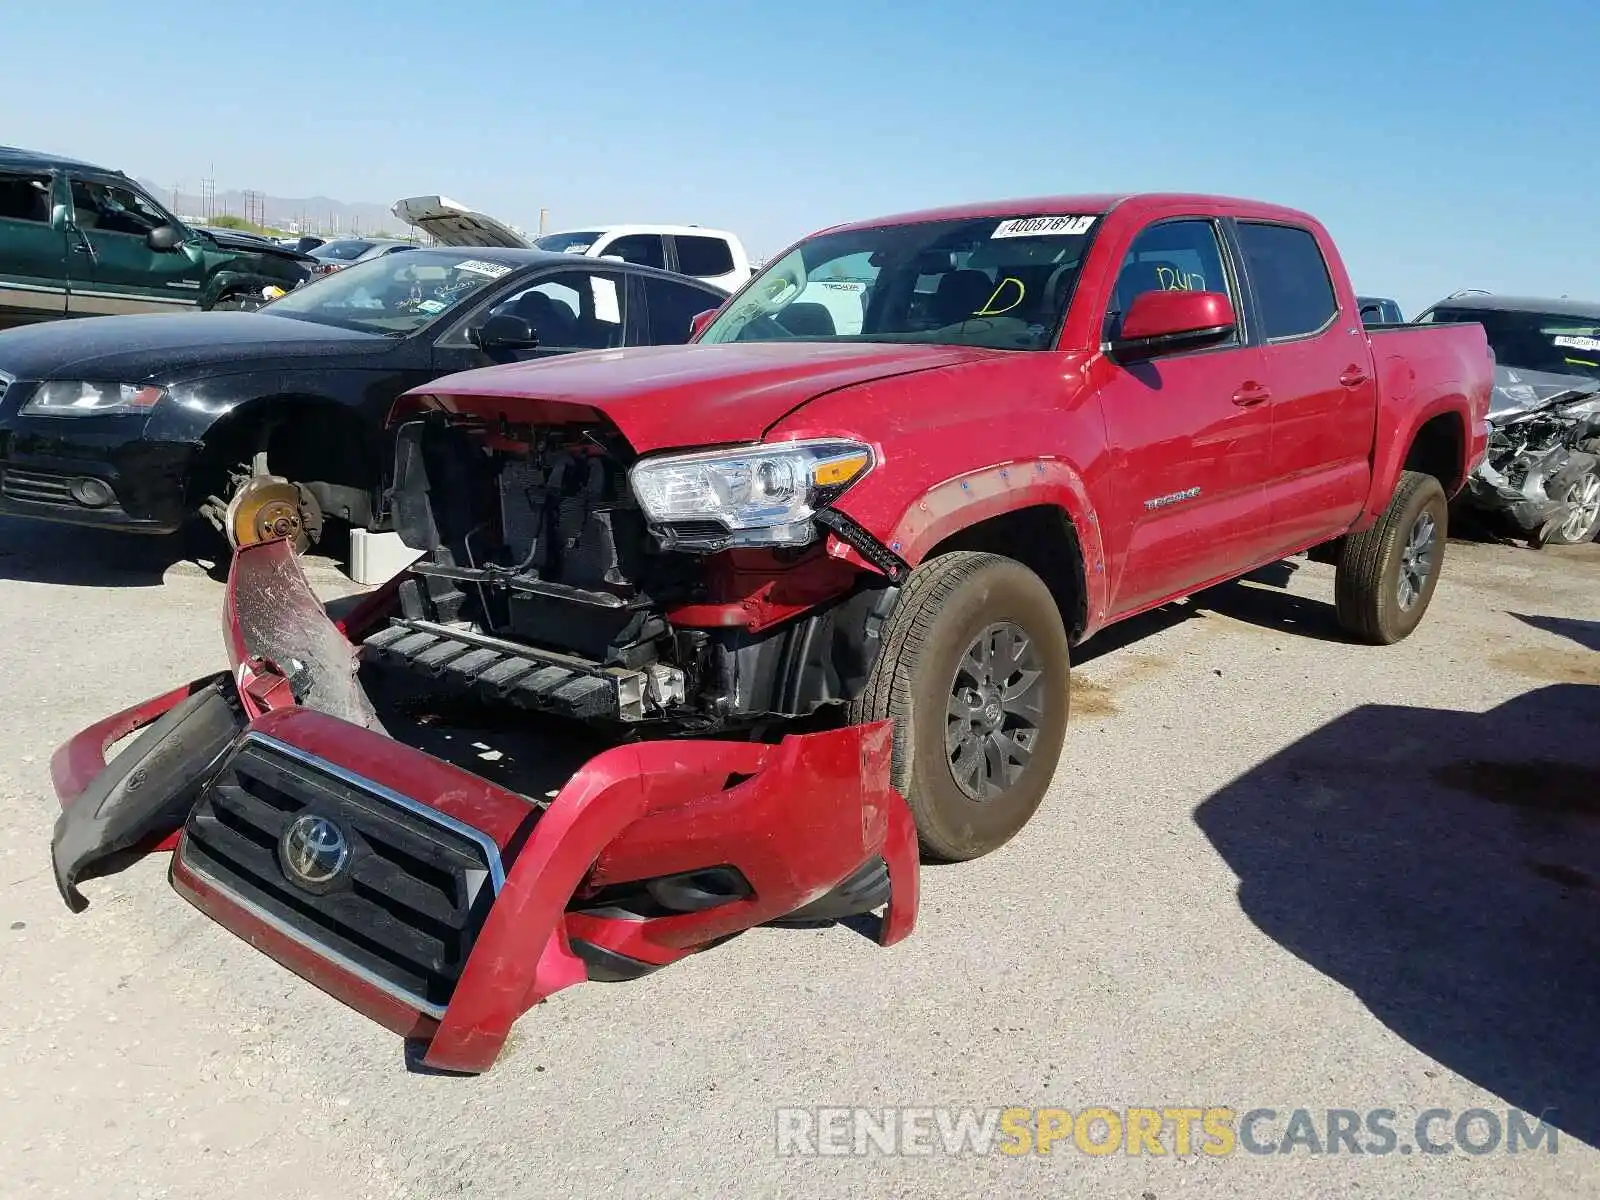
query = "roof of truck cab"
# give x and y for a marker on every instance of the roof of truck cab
(1083, 205)
(15, 156)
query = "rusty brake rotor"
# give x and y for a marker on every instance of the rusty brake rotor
(267, 507)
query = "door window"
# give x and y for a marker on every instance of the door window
(1290, 279)
(672, 306)
(646, 249)
(25, 198)
(572, 310)
(706, 257)
(1171, 256)
(108, 208)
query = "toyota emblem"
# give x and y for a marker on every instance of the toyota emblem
(314, 850)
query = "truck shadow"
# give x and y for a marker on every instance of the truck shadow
(1445, 867)
(1259, 598)
(1585, 633)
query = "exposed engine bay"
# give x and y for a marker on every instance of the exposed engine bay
(1542, 470)
(541, 583)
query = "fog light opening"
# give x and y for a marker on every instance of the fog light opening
(91, 493)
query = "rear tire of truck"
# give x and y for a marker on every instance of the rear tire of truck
(974, 675)
(1386, 576)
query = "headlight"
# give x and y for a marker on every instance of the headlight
(753, 496)
(75, 398)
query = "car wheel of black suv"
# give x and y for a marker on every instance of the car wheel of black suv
(974, 675)
(1386, 575)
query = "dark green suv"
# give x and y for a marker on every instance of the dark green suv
(78, 240)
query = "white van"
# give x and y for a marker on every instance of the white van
(713, 255)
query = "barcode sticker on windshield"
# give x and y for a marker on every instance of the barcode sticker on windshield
(479, 267)
(1573, 342)
(1043, 227)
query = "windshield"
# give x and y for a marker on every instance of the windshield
(567, 243)
(1000, 283)
(394, 294)
(343, 251)
(1532, 341)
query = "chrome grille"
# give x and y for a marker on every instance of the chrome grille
(406, 910)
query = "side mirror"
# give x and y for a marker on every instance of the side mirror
(503, 331)
(699, 321)
(1158, 323)
(165, 238)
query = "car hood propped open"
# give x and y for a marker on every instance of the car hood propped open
(451, 223)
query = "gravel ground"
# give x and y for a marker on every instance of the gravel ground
(1275, 872)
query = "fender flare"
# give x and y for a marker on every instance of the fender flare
(1393, 447)
(964, 500)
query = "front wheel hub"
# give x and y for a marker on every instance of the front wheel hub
(266, 508)
(995, 711)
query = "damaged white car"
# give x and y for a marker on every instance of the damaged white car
(1542, 471)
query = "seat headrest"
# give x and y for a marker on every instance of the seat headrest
(808, 318)
(960, 294)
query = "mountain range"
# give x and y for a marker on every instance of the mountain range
(312, 214)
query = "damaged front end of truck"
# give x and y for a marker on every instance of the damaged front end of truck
(581, 737)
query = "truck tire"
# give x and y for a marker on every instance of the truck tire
(1386, 576)
(974, 674)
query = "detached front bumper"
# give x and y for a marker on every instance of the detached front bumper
(445, 906)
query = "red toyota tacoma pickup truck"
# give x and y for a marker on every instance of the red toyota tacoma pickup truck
(719, 635)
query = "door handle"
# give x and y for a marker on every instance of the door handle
(1251, 394)
(82, 248)
(1353, 377)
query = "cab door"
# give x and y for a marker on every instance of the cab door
(33, 246)
(1189, 433)
(111, 265)
(1319, 368)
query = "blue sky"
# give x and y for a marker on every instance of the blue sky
(1446, 145)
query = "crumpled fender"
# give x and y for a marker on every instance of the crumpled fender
(283, 646)
(807, 814)
(137, 803)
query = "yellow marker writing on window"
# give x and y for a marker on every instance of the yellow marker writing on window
(989, 309)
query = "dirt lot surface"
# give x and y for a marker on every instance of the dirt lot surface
(1276, 871)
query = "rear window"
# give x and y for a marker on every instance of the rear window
(672, 306)
(703, 255)
(25, 198)
(1290, 278)
(343, 251)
